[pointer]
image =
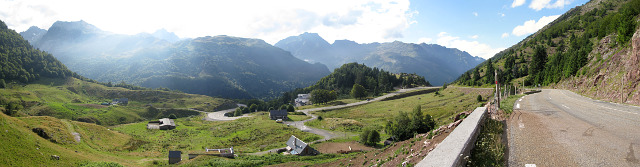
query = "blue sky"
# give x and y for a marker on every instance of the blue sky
(481, 28)
(485, 22)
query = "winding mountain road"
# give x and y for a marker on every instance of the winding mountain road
(328, 134)
(561, 128)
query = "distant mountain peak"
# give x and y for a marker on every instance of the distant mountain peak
(75, 25)
(437, 63)
(166, 35)
(33, 34)
(307, 38)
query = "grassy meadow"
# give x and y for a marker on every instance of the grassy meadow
(74, 99)
(245, 135)
(442, 106)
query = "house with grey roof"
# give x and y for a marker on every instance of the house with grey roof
(278, 114)
(296, 146)
(162, 124)
(121, 101)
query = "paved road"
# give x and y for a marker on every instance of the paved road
(328, 134)
(561, 128)
(219, 115)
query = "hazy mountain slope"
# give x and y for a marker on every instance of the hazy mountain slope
(33, 34)
(218, 66)
(436, 63)
(591, 49)
(248, 67)
(19, 61)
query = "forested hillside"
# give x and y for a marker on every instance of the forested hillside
(220, 66)
(340, 84)
(20, 62)
(436, 63)
(576, 45)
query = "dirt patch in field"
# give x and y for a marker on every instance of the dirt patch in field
(332, 148)
(410, 151)
(96, 106)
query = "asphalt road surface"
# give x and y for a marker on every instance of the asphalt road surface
(561, 128)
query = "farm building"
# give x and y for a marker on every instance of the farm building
(162, 124)
(278, 114)
(296, 146)
(121, 101)
(175, 157)
(303, 99)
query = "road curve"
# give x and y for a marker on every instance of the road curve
(219, 115)
(329, 135)
(325, 133)
(561, 128)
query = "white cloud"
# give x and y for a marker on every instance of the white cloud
(475, 14)
(504, 35)
(501, 14)
(517, 3)
(425, 40)
(541, 4)
(532, 26)
(359, 20)
(474, 48)
(474, 37)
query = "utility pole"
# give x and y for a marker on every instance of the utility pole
(497, 87)
(622, 89)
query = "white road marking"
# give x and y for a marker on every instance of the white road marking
(529, 165)
(518, 105)
(619, 110)
(565, 106)
(520, 124)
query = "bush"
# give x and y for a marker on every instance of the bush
(402, 127)
(319, 118)
(479, 98)
(370, 137)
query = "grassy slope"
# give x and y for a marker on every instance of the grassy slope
(73, 99)
(250, 134)
(442, 107)
(22, 147)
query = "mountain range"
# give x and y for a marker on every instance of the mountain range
(220, 66)
(436, 63)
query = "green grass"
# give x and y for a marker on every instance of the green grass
(441, 107)
(22, 147)
(331, 103)
(298, 117)
(507, 105)
(74, 99)
(245, 135)
(489, 149)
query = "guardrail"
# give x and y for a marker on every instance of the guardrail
(458, 144)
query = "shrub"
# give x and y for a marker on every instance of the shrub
(479, 98)
(370, 137)
(173, 116)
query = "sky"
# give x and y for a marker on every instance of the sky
(481, 28)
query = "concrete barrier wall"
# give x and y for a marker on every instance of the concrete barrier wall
(452, 150)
